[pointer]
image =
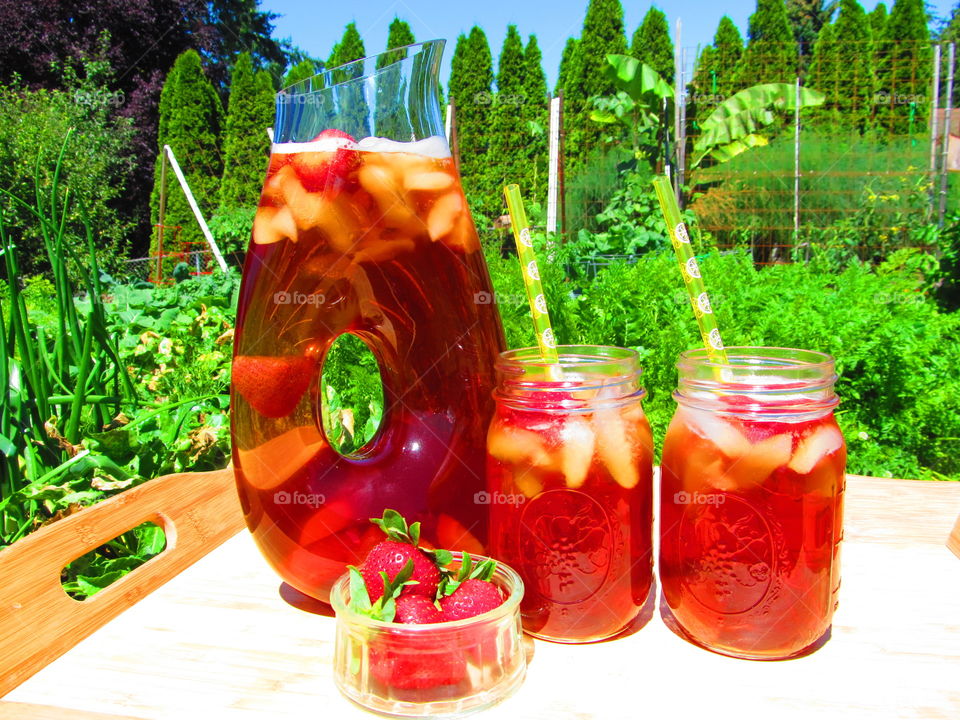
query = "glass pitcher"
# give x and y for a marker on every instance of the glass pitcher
(362, 228)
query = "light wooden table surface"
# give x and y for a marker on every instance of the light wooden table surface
(220, 641)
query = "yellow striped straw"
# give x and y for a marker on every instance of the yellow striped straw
(690, 270)
(531, 275)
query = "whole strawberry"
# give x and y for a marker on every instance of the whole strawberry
(470, 592)
(473, 597)
(417, 609)
(391, 555)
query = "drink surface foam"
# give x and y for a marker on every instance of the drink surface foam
(435, 146)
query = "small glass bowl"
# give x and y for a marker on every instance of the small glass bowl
(444, 669)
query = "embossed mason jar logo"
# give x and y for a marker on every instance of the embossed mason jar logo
(727, 555)
(566, 545)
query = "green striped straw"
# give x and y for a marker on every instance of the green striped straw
(531, 275)
(690, 270)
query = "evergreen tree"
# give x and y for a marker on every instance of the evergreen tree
(714, 77)
(652, 44)
(301, 71)
(567, 59)
(771, 53)
(878, 22)
(536, 116)
(391, 117)
(246, 146)
(191, 119)
(507, 132)
(842, 69)
(729, 44)
(602, 35)
(471, 79)
(353, 113)
(349, 48)
(904, 73)
(399, 35)
(878, 28)
(807, 17)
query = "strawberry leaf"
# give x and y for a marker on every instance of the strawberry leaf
(484, 570)
(394, 526)
(441, 558)
(359, 597)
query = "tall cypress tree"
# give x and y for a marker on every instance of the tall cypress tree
(391, 113)
(536, 116)
(807, 17)
(301, 71)
(904, 72)
(878, 28)
(652, 44)
(567, 60)
(714, 77)
(771, 53)
(856, 81)
(191, 120)
(507, 133)
(349, 48)
(602, 35)
(398, 36)
(246, 146)
(471, 80)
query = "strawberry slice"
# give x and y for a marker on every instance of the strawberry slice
(327, 171)
(271, 385)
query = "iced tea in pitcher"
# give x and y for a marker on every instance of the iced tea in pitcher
(362, 228)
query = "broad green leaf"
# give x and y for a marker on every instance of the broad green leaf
(747, 112)
(636, 79)
(725, 152)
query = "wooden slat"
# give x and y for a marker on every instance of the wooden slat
(39, 621)
(21, 711)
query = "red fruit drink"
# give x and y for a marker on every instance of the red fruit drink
(751, 502)
(570, 478)
(372, 238)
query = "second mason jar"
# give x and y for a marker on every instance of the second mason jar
(751, 502)
(569, 476)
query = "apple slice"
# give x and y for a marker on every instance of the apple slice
(272, 225)
(383, 185)
(514, 445)
(528, 481)
(728, 439)
(614, 447)
(576, 450)
(444, 215)
(759, 460)
(433, 181)
(825, 439)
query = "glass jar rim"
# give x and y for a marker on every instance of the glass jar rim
(773, 358)
(597, 357)
(305, 86)
(510, 578)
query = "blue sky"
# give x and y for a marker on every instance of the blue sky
(315, 27)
